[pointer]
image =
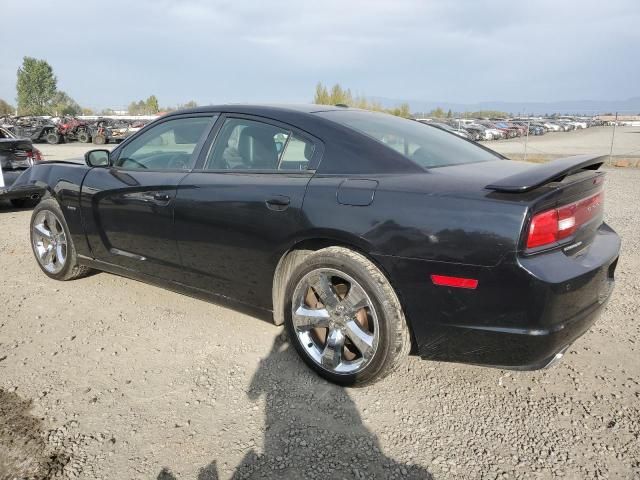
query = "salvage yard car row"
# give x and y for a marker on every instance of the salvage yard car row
(54, 130)
(500, 129)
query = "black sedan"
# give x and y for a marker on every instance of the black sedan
(16, 155)
(369, 236)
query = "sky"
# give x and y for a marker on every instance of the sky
(106, 54)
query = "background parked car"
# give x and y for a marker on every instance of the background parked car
(16, 155)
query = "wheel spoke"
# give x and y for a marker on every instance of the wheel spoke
(42, 230)
(362, 340)
(355, 299)
(306, 318)
(48, 256)
(321, 284)
(332, 353)
(52, 222)
(60, 254)
(42, 253)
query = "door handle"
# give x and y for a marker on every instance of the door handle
(278, 203)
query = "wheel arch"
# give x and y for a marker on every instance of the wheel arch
(296, 253)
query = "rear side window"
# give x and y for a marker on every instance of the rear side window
(425, 145)
(244, 144)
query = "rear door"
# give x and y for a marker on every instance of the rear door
(240, 209)
(128, 207)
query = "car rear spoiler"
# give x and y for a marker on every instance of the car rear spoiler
(545, 173)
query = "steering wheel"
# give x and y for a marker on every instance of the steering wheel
(141, 165)
(178, 162)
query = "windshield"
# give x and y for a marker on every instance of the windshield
(423, 144)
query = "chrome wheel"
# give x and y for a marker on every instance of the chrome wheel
(335, 321)
(49, 241)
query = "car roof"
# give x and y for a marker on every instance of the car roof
(264, 109)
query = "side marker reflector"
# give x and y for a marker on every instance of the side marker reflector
(457, 282)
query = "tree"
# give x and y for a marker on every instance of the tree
(36, 86)
(62, 104)
(341, 96)
(449, 114)
(152, 105)
(437, 112)
(322, 96)
(5, 108)
(189, 104)
(88, 111)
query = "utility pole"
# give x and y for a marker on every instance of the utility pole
(526, 142)
(613, 136)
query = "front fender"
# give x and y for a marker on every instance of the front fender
(59, 180)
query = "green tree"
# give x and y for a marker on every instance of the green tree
(449, 114)
(152, 105)
(437, 113)
(62, 104)
(88, 111)
(322, 95)
(339, 95)
(189, 104)
(36, 87)
(5, 108)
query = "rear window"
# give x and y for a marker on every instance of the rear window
(425, 145)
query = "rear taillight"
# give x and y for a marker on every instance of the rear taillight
(34, 155)
(551, 226)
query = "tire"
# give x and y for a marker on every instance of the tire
(99, 140)
(47, 216)
(376, 322)
(52, 138)
(83, 137)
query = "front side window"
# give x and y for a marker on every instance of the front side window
(167, 146)
(245, 144)
(425, 145)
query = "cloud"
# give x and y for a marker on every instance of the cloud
(220, 51)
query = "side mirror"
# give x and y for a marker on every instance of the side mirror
(97, 158)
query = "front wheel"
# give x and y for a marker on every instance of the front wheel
(52, 244)
(344, 317)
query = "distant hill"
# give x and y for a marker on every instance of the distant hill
(583, 107)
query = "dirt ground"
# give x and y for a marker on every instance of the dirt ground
(109, 378)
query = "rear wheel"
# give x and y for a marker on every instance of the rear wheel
(52, 138)
(99, 139)
(344, 317)
(52, 244)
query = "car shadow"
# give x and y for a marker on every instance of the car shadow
(312, 429)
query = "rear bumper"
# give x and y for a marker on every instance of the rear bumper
(509, 348)
(15, 190)
(524, 312)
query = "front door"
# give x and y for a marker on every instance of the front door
(238, 212)
(128, 207)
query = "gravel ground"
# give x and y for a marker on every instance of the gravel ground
(594, 140)
(110, 378)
